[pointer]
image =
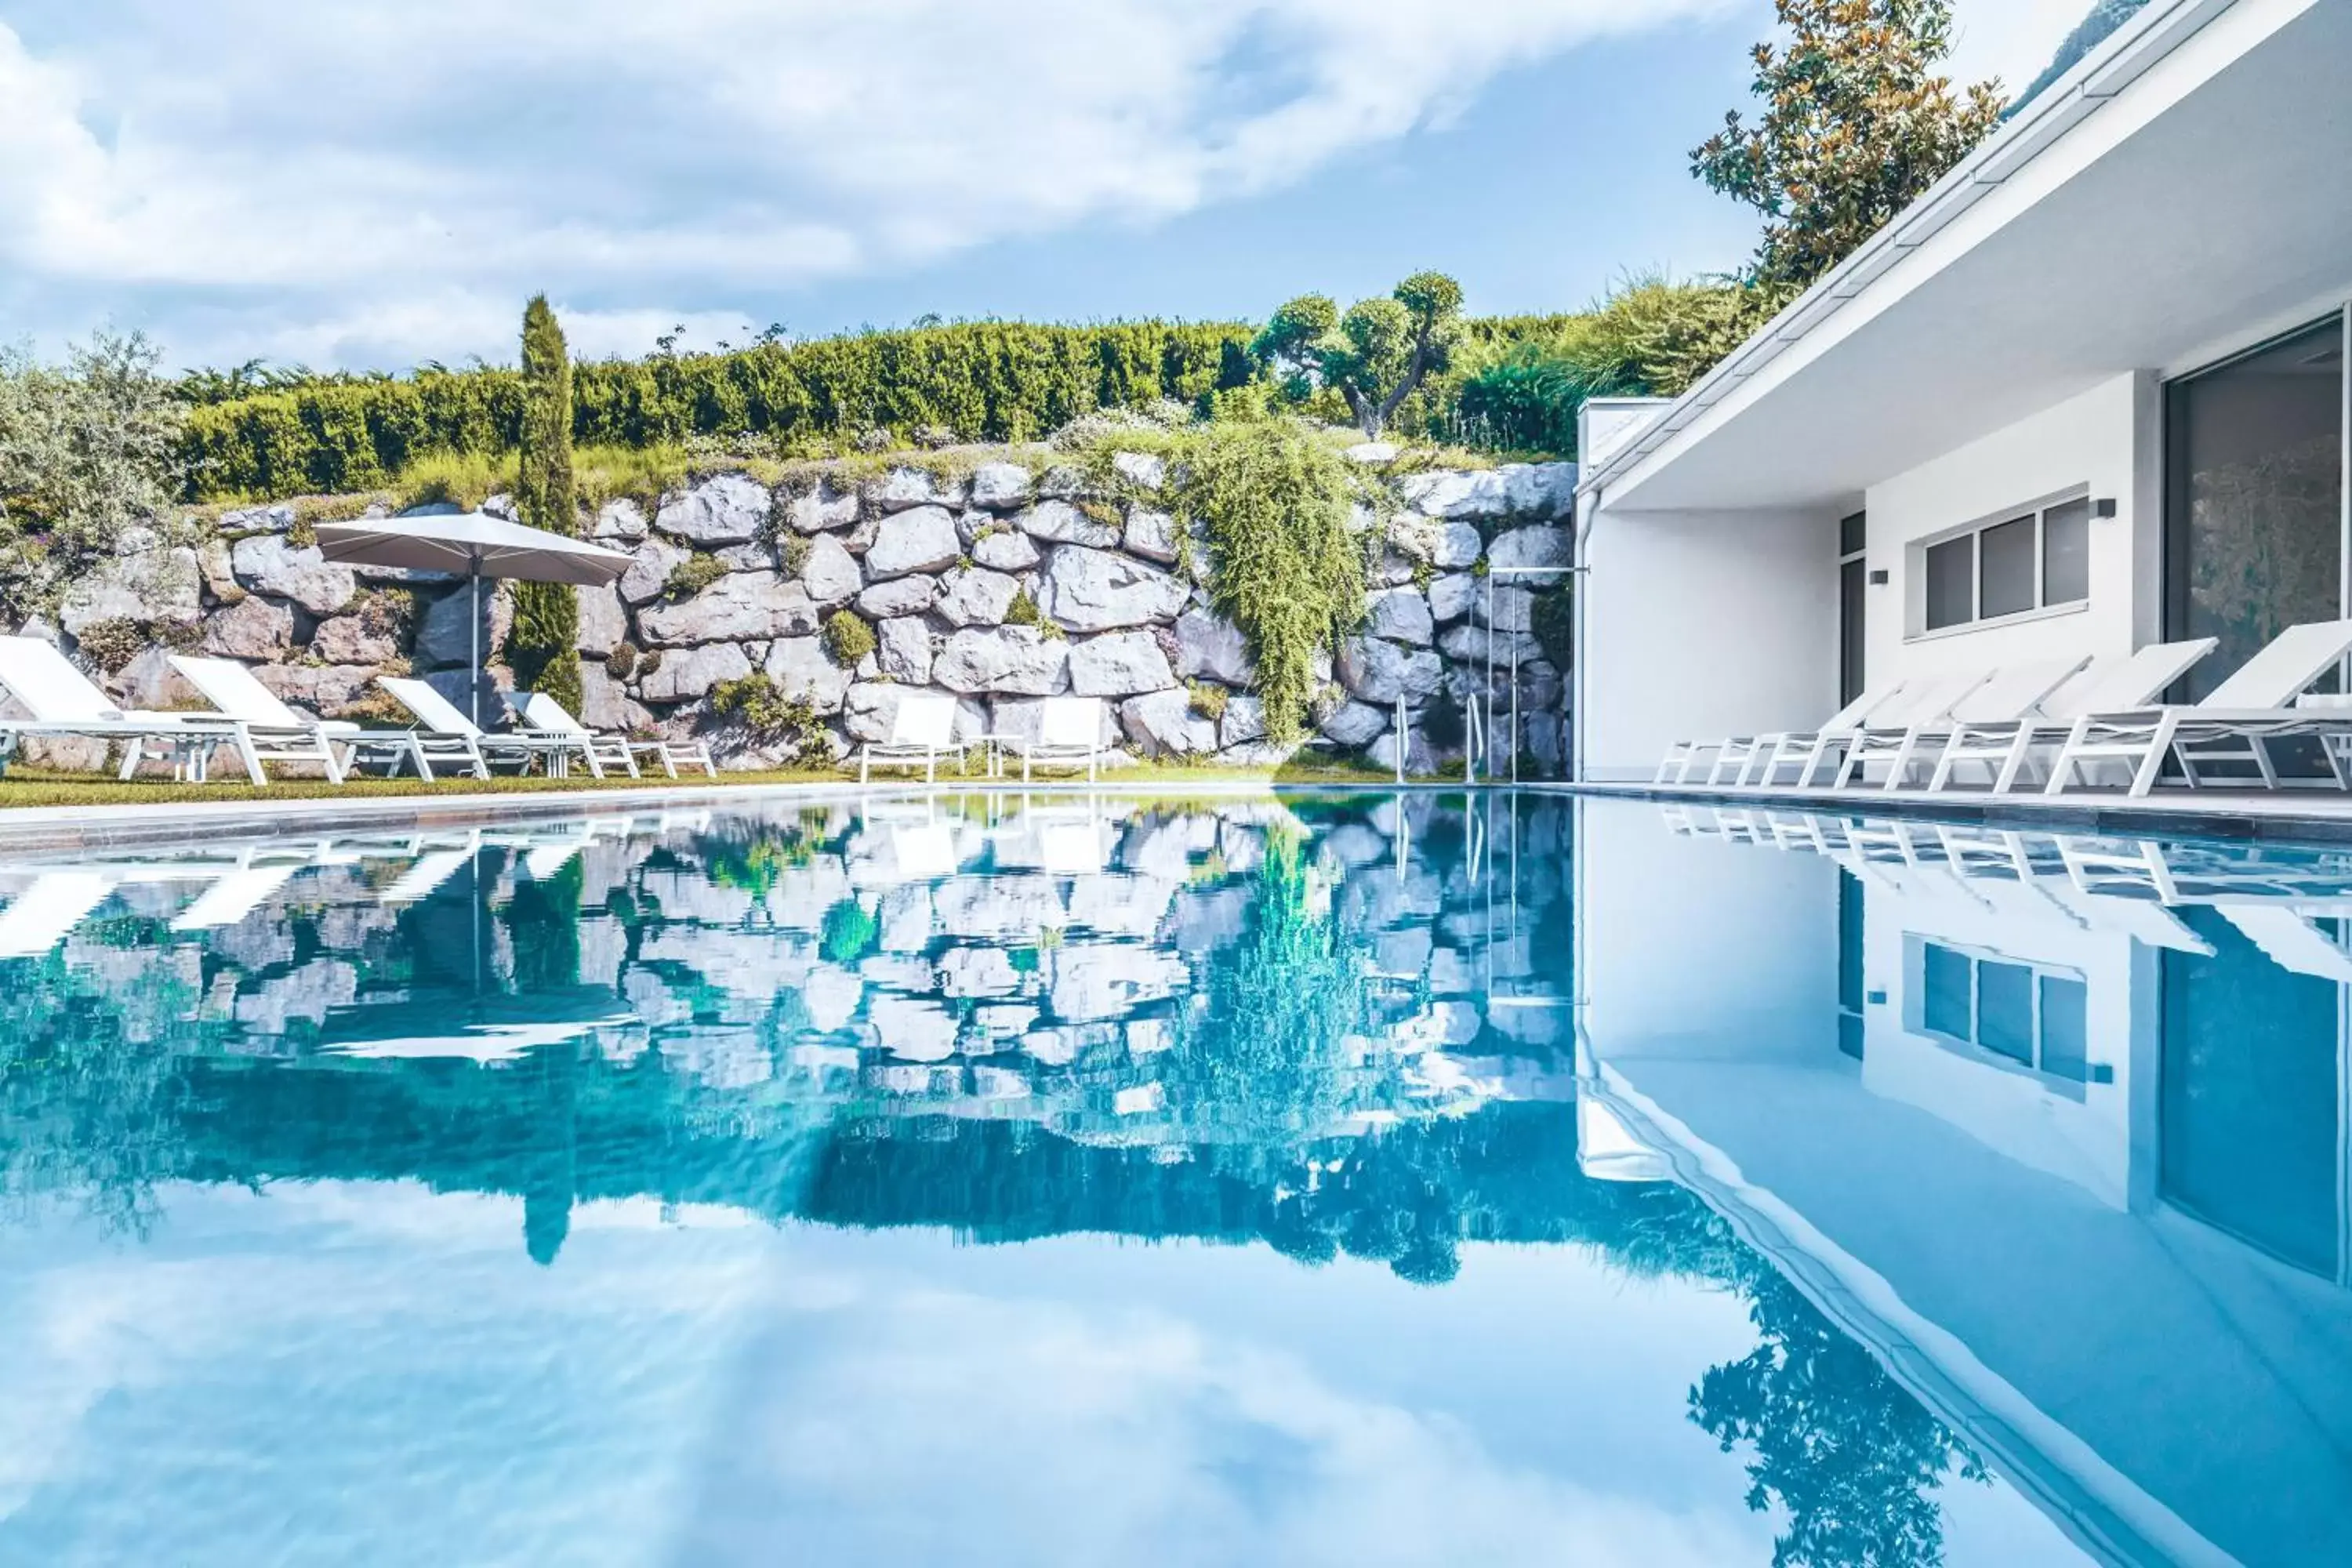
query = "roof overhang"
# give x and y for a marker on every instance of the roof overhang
(2181, 190)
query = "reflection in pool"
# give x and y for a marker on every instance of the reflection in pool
(722, 1187)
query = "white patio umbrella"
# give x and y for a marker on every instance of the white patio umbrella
(480, 546)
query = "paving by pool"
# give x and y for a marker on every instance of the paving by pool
(1348, 1179)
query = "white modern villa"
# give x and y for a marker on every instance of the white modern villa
(2087, 394)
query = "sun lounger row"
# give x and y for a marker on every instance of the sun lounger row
(2086, 713)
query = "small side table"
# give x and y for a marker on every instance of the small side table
(995, 744)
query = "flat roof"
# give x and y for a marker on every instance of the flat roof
(2181, 191)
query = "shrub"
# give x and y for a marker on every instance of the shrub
(1023, 612)
(759, 707)
(112, 643)
(1208, 698)
(847, 638)
(692, 575)
(621, 662)
(792, 553)
(848, 933)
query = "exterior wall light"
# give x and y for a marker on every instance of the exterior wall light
(2105, 508)
(1878, 578)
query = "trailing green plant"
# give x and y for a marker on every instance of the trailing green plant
(543, 647)
(847, 638)
(764, 711)
(1376, 355)
(692, 575)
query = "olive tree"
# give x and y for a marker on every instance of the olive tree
(1377, 354)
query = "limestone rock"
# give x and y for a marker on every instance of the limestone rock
(654, 558)
(904, 650)
(1420, 757)
(604, 621)
(1016, 659)
(1504, 608)
(267, 564)
(1006, 549)
(1120, 664)
(1371, 452)
(1400, 615)
(1353, 724)
(1452, 493)
(1150, 534)
(252, 629)
(921, 539)
(1095, 590)
(1535, 546)
(319, 687)
(605, 706)
(1458, 546)
(219, 569)
(623, 520)
(801, 667)
(732, 508)
(1000, 486)
(1059, 522)
(1539, 489)
(686, 673)
(900, 596)
(151, 585)
(740, 605)
(1140, 469)
(757, 556)
(1243, 723)
(977, 598)
(1470, 644)
(1395, 570)
(831, 574)
(905, 486)
(1380, 672)
(350, 639)
(1451, 597)
(1213, 648)
(1162, 723)
(822, 509)
(443, 640)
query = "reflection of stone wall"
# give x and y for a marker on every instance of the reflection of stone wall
(944, 572)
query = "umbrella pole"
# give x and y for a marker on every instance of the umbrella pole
(474, 641)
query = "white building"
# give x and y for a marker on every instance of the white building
(2087, 394)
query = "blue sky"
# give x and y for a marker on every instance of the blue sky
(377, 181)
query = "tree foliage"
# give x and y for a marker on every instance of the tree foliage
(1855, 125)
(86, 450)
(544, 645)
(1376, 355)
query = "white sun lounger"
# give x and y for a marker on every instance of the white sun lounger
(232, 897)
(1927, 701)
(448, 733)
(1069, 732)
(2008, 695)
(1758, 759)
(63, 703)
(543, 715)
(429, 873)
(2250, 708)
(921, 731)
(2292, 941)
(2109, 685)
(46, 913)
(279, 733)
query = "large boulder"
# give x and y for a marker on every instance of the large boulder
(1377, 671)
(1504, 608)
(1059, 522)
(1539, 489)
(977, 598)
(1143, 470)
(1243, 723)
(1452, 595)
(904, 650)
(1016, 659)
(1454, 493)
(822, 509)
(686, 673)
(1006, 550)
(732, 508)
(354, 639)
(620, 519)
(457, 631)
(898, 597)
(268, 564)
(253, 628)
(1152, 534)
(156, 584)
(1471, 645)
(1400, 615)
(605, 706)
(1120, 664)
(1420, 757)
(904, 487)
(1353, 724)
(1095, 590)
(1214, 648)
(739, 605)
(320, 688)
(654, 558)
(1535, 546)
(603, 620)
(1000, 486)
(831, 572)
(1162, 723)
(801, 667)
(921, 539)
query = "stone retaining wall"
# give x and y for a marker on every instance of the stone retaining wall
(999, 587)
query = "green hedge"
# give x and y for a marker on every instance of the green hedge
(993, 381)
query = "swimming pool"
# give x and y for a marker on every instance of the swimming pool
(1358, 1179)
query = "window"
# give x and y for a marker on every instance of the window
(2034, 1017)
(2012, 565)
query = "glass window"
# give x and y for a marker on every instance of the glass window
(1853, 534)
(1951, 583)
(2005, 553)
(1949, 1005)
(2065, 1028)
(2005, 1010)
(2066, 552)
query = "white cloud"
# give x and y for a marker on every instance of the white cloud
(381, 177)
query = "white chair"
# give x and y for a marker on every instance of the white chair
(921, 731)
(279, 733)
(1737, 755)
(2008, 694)
(64, 704)
(2233, 723)
(1927, 700)
(1762, 757)
(449, 732)
(542, 714)
(2109, 685)
(1069, 732)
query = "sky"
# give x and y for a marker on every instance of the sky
(371, 183)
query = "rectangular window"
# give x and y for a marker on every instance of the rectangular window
(2034, 561)
(1853, 533)
(1949, 998)
(2022, 1012)
(1951, 583)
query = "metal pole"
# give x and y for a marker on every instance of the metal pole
(1399, 737)
(473, 642)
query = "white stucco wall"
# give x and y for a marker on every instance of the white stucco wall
(1701, 625)
(2105, 439)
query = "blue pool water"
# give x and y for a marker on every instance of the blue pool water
(1358, 1180)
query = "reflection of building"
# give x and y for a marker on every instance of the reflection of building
(2070, 1158)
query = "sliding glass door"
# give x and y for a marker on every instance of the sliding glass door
(2255, 515)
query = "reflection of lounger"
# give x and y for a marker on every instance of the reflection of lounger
(46, 913)
(2293, 942)
(549, 859)
(234, 897)
(1071, 850)
(429, 872)
(2143, 919)
(924, 854)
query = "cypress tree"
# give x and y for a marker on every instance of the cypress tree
(543, 647)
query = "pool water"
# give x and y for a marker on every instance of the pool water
(1070, 1179)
